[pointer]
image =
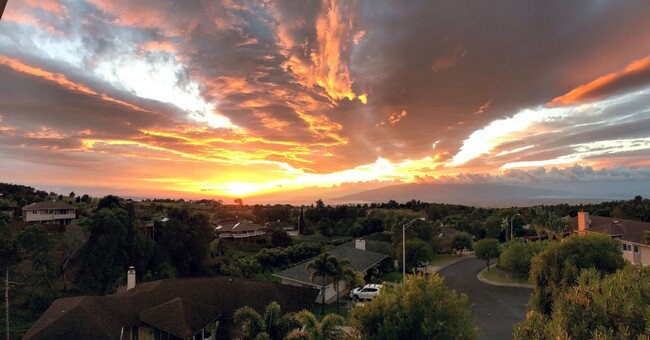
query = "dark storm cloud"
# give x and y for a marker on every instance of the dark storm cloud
(323, 85)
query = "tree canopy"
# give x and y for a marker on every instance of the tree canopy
(487, 249)
(559, 265)
(421, 308)
(612, 307)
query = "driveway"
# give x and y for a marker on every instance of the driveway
(496, 309)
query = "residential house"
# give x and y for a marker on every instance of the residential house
(49, 212)
(631, 234)
(199, 308)
(238, 228)
(360, 259)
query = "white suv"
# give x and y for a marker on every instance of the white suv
(367, 292)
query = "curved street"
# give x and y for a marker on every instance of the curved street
(496, 309)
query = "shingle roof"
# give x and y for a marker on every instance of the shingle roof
(48, 205)
(626, 230)
(180, 317)
(240, 225)
(360, 260)
(102, 317)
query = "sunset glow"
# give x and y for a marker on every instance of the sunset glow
(237, 99)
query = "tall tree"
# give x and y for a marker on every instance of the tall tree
(8, 258)
(343, 272)
(323, 266)
(420, 308)
(105, 255)
(461, 241)
(186, 239)
(37, 245)
(487, 249)
(301, 222)
(557, 267)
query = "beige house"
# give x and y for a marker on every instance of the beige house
(50, 212)
(631, 234)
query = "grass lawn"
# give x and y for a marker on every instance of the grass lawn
(496, 276)
(443, 259)
(331, 308)
(390, 277)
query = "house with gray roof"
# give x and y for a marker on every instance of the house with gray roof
(50, 212)
(360, 259)
(238, 229)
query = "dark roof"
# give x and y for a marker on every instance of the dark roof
(180, 317)
(360, 260)
(375, 246)
(237, 225)
(48, 205)
(626, 230)
(102, 317)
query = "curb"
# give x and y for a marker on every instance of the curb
(461, 259)
(479, 276)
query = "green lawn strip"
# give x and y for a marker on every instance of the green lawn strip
(443, 259)
(498, 277)
(389, 277)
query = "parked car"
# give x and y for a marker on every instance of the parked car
(367, 292)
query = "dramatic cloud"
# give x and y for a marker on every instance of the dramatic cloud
(634, 76)
(230, 98)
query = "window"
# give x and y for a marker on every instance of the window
(627, 247)
(636, 249)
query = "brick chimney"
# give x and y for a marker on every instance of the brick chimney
(583, 221)
(130, 278)
(360, 244)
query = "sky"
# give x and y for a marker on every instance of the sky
(224, 99)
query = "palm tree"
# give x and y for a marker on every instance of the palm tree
(343, 272)
(540, 219)
(315, 330)
(323, 266)
(270, 326)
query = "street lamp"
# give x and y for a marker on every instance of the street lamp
(512, 218)
(404, 245)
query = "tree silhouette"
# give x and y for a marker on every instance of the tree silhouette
(314, 329)
(271, 325)
(323, 266)
(343, 272)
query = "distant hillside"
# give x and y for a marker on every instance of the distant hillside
(478, 194)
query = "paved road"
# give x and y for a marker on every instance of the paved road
(496, 309)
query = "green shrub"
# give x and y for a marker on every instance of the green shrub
(517, 255)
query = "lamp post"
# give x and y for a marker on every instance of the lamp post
(512, 218)
(404, 245)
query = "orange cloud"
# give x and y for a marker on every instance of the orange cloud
(633, 75)
(394, 118)
(159, 46)
(326, 66)
(483, 107)
(321, 125)
(61, 80)
(358, 36)
(52, 6)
